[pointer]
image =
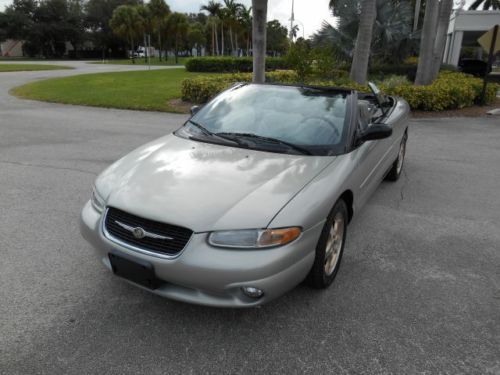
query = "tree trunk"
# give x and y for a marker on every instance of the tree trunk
(427, 43)
(176, 49)
(259, 10)
(445, 8)
(216, 41)
(222, 37)
(213, 39)
(159, 43)
(361, 56)
(231, 40)
(132, 48)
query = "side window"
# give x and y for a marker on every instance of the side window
(364, 115)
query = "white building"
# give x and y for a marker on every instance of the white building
(465, 27)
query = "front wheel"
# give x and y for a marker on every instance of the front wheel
(397, 166)
(330, 248)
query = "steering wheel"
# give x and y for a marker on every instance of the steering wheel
(331, 123)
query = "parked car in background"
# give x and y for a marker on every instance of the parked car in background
(478, 68)
(252, 195)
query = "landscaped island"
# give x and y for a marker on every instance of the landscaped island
(30, 67)
(161, 90)
(143, 90)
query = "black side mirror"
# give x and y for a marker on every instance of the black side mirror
(375, 131)
(194, 109)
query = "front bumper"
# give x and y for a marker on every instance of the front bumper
(205, 275)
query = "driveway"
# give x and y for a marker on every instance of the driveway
(418, 291)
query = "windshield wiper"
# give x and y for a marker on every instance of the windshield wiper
(234, 136)
(202, 128)
(208, 133)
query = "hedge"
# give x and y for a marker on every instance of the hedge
(450, 90)
(227, 64)
(202, 89)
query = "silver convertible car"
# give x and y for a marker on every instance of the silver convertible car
(250, 197)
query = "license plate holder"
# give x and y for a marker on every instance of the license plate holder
(133, 269)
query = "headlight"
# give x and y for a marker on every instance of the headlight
(254, 238)
(97, 201)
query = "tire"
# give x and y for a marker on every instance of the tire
(328, 254)
(397, 166)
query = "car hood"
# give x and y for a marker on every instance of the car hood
(205, 186)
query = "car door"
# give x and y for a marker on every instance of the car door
(370, 157)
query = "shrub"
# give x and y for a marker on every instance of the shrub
(300, 57)
(395, 81)
(202, 89)
(227, 64)
(327, 66)
(451, 90)
(383, 71)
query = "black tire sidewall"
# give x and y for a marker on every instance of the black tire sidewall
(317, 277)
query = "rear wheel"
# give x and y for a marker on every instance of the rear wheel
(330, 248)
(397, 166)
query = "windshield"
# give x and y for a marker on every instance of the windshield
(312, 119)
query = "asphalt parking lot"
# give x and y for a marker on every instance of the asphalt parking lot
(418, 291)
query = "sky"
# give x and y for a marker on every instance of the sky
(309, 14)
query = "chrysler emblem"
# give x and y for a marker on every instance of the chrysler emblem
(139, 233)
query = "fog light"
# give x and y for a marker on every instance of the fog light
(252, 292)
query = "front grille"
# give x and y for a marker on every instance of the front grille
(180, 236)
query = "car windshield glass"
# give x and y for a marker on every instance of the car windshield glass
(305, 117)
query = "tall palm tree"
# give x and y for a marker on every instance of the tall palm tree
(361, 56)
(445, 8)
(245, 19)
(126, 23)
(232, 11)
(487, 4)
(259, 26)
(159, 10)
(147, 26)
(393, 38)
(213, 9)
(427, 43)
(177, 27)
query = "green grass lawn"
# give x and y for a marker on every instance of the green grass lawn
(30, 67)
(151, 90)
(140, 61)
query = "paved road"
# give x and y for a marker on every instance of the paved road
(418, 292)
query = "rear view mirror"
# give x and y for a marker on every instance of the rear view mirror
(195, 109)
(375, 131)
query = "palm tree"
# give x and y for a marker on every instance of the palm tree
(177, 27)
(359, 67)
(159, 10)
(445, 8)
(259, 10)
(126, 23)
(487, 4)
(147, 25)
(232, 12)
(245, 19)
(393, 38)
(425, 56)
(213, 8)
